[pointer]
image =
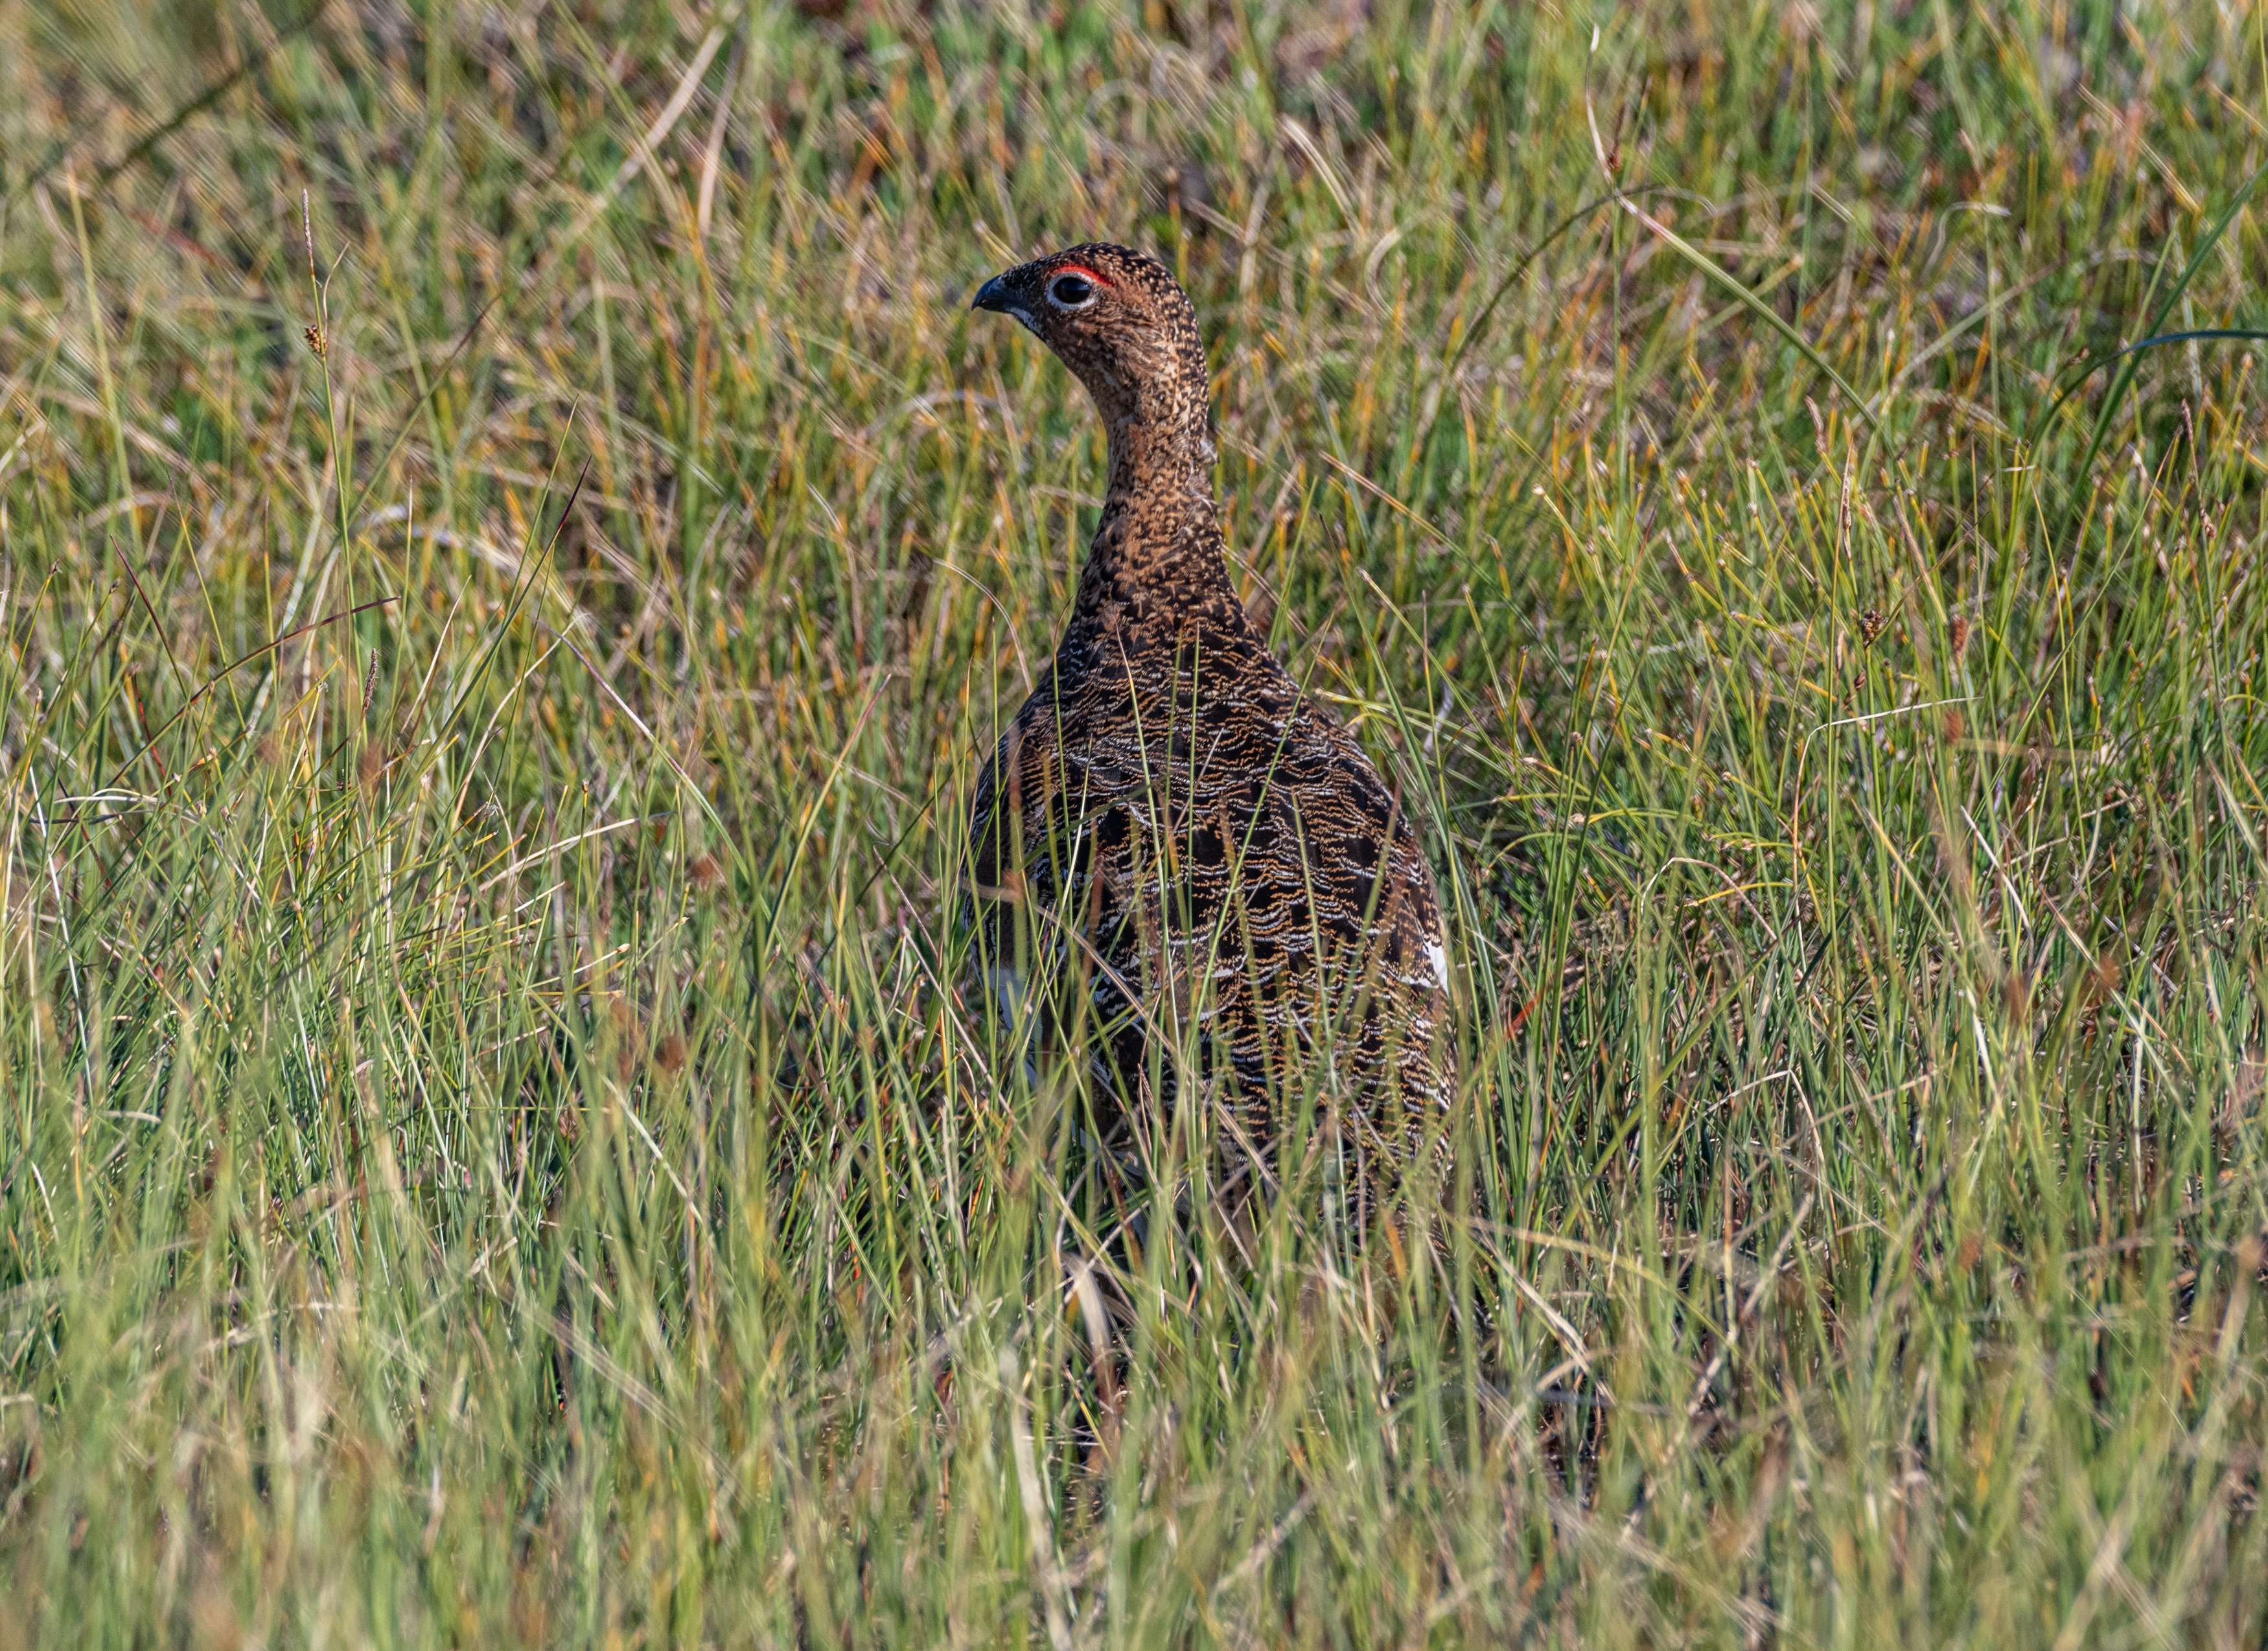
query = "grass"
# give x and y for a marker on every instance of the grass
(512, 549)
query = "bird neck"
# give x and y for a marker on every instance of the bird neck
(1157, 559)
(1161, 439)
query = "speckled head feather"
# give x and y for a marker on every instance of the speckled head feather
(1119, 320)
(1198, 849)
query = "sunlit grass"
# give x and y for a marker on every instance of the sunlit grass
(494, 1143)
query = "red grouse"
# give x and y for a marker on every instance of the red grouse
(1170, 827)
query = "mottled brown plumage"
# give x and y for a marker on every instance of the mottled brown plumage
(1192, 838)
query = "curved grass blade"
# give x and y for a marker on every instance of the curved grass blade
(2094, 367)
(2157, 319)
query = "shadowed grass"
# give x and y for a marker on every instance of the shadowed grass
(513, 551)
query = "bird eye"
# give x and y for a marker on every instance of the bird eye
(1070, 292)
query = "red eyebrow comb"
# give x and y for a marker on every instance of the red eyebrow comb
(1095, 275)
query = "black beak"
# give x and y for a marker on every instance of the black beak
(993, 295)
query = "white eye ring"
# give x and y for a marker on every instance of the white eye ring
(1070, 290)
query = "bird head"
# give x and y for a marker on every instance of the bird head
(1120, 322)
